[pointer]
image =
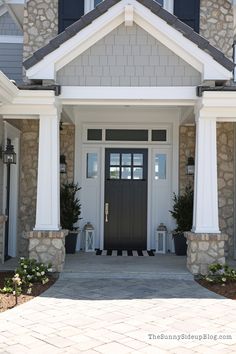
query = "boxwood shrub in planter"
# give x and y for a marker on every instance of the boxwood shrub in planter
(70, 212)
(183, 214)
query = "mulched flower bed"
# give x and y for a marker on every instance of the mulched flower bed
(7, 301)
(229, 290)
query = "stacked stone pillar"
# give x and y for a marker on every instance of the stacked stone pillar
(48, 247)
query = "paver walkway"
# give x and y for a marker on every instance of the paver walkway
(120, 316)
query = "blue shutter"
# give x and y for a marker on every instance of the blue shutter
(188, 11)
(69, 12)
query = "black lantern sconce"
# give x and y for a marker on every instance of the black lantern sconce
(63, 164)
(9, 155)
(190, 167)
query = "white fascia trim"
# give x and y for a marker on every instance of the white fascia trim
(159, 29)
(11, 39)
(47, 67)
(136, 95)
(8, 91)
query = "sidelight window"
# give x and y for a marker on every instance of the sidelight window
(92, 165)
(160, 166)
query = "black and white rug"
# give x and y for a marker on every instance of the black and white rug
(125, 253)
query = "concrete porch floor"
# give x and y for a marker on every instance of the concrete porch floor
(87, 265)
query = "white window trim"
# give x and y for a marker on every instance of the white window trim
(168, 5)
(11, 39)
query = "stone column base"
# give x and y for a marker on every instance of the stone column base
(3, 219)
(48, 247)
(203, 250)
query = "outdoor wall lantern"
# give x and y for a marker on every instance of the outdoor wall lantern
(9, 155)
(63, 164)
(190, 166)
(161, 236)
(89, 237)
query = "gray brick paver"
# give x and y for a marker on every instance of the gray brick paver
(117, 316)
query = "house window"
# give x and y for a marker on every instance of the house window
(96, 2)
(160, 2)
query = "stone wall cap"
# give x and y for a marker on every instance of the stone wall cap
(47, 234)
(206, 236)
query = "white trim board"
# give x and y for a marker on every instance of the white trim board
(11, 39)
(154, 95)
(155, 26)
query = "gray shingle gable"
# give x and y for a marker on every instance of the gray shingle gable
(104, 6)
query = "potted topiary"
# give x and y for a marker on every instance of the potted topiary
(70, 212)
(183, 214)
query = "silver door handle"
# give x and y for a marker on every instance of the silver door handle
(106, 211)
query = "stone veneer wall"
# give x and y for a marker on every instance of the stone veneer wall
(28, 174)
(186, 149)
(40, 24)
(216, 24)
(203, 250)
(48, 247)
(225, 161)
(67, 148)
(28, 181)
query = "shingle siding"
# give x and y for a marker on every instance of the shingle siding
(8, 26)
(128, 56)
(11, 60)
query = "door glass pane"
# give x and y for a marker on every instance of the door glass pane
(114, 172)
(126, 173)
(160, 166)
(115, 159)
(92, 165)
(126, 159)
(137, 173)
(138, 159)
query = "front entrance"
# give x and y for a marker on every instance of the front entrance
(125, 199)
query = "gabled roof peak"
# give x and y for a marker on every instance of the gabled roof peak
(155, 8)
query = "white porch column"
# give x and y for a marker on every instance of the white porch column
(48, 190)
(205, 216)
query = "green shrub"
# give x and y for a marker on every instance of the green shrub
(183, 210)
(220, 273)
(26, 275)
(70, 206)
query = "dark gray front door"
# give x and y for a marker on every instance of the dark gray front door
(126, 199)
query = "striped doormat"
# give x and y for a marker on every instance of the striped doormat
(125, 253)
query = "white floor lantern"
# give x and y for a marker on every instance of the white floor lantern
(161, 238)
(89, 237)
